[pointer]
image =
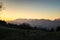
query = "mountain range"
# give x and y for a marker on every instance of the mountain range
(42, 23)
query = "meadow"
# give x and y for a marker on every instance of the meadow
(27, 34)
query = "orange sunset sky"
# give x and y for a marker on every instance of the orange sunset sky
(30, 9)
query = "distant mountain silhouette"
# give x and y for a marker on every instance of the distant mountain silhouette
(42, 23)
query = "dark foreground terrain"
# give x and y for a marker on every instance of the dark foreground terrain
(25, 34)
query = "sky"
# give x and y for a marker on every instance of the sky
(30, 9)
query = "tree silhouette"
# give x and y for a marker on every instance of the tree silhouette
(1, 6)
(3, 23)
(52, 29)
(58, 28)
(25, 26)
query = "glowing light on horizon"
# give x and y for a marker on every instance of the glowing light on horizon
(30, 10)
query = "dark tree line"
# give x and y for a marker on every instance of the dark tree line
(21, 26)
(24, 26)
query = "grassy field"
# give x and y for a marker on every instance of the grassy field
(22, 34)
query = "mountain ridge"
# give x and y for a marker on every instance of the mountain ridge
(42, 23)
